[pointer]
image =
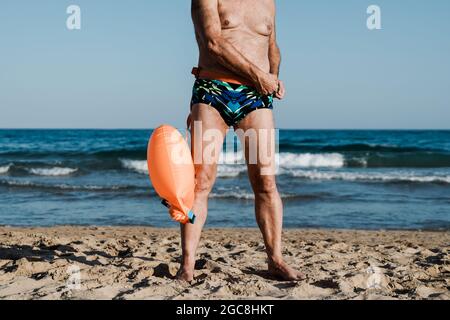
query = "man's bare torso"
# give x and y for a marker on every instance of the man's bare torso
(247, 25)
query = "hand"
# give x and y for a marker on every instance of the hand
(267, 84)
(281, 90)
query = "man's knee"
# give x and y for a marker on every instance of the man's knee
(204, 181)
(265, 186)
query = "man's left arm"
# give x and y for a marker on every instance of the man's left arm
(274, 54)
(275, 61)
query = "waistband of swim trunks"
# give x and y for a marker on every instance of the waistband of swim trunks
(200, 73)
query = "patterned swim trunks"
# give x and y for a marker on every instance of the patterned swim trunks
(233, 101)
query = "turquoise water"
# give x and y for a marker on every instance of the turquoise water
(328, 179)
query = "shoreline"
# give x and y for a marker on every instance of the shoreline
(206, 228)
(138, 262)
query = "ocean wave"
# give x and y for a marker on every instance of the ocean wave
(230, 171)
(241, 195)
(405, 160)
(380, 177)
(139, 166)
(375, 148)
(232, 164)
(303, 145)
(245, 195)
(52, 172)
(78, 154)
(223, 170)
(292, 160)
(312, 145)
(308, 160)
(5, 169)
(295, 160)
(63, 187)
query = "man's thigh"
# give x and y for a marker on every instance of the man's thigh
(207, 135)
(257, 135)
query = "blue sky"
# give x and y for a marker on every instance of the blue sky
(129, 65)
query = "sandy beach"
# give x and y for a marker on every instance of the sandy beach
(140, 263)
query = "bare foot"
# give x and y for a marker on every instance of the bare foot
(185, 274)
(284, 272)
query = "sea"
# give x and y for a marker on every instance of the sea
(346, 179)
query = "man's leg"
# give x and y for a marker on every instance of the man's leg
(268, 205)
(205, 174)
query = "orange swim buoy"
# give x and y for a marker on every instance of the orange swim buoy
(171, 171)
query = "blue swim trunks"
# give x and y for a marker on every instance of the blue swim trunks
(233, 101)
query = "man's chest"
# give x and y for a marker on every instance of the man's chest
(254, 15)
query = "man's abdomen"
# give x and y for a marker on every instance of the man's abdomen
(254, 48)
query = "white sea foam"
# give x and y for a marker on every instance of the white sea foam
(383, 177)
(68, 187)
(292, 160)
(139, 166)
(241, 194)
(5, 169)
(230, 171)
(297, 165)
(52, 172)
(309, 160)
(232, 164)
(223, 170)
(233, 194)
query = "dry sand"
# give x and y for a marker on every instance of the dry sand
(139, 263)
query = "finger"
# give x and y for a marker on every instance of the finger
(277, 94)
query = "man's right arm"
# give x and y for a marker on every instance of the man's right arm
(205, 15)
